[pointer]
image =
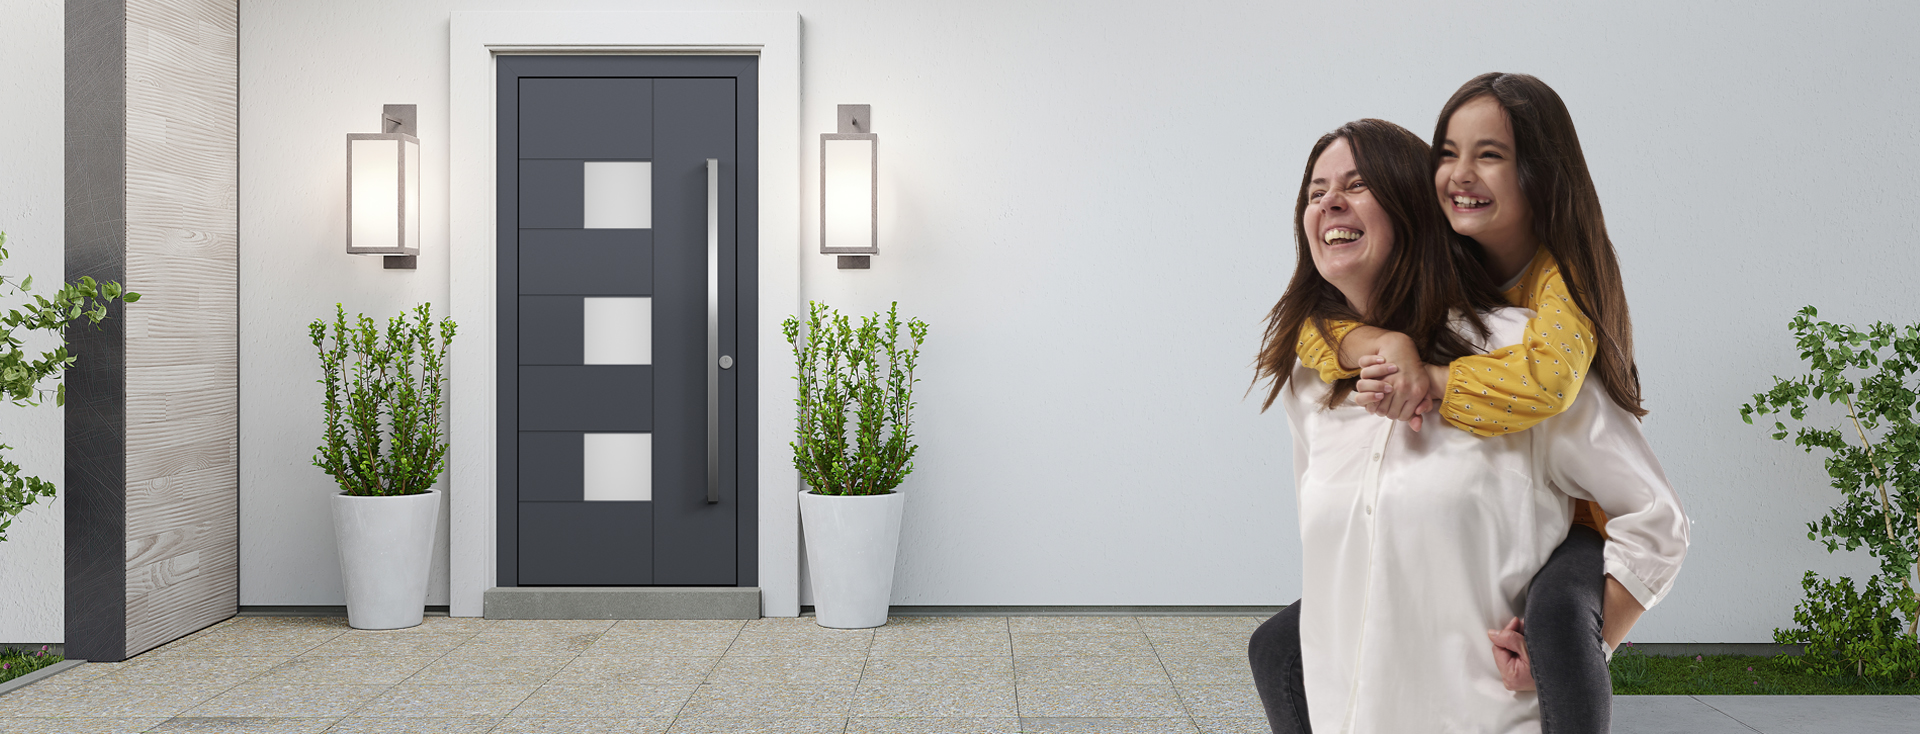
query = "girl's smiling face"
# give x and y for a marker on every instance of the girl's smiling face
(1478, 180)
(1348, 233)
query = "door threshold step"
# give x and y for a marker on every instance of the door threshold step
(621, 602)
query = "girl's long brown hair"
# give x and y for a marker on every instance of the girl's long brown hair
(1429, 277)
(1566, 216)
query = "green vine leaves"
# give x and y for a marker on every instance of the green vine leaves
(385, 394)
(862, 372)
(1878, 479)
(82, 301)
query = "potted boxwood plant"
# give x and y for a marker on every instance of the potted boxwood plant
(384, 445)
(851, 511)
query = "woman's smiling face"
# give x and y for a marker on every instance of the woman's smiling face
(1478, 180)
(1349, 234)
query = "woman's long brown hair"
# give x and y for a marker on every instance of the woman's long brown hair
(1429, 277)
(1566, 216)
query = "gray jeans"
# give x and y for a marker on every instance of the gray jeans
(1564, 646)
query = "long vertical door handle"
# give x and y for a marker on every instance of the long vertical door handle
(713, 330)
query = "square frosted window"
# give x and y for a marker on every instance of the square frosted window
(617, 331)
(619, 195)
(619, 467)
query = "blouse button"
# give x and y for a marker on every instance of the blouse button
(1369, 509)
(1376, 457)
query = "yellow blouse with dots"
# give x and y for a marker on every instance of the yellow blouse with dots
(1512, 388)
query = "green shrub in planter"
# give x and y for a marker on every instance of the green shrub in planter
(864, 372)
(1871, 631)
(21, 375)
(384, 398)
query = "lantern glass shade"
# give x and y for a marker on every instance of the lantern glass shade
(849, 203)
(383, 194)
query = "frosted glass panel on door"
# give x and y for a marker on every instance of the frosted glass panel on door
(619, 467)
(618, 331)
(619, 195)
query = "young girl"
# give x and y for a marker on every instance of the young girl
(1511, 178)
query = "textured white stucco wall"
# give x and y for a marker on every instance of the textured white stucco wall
(1090, 204)
(32, 176)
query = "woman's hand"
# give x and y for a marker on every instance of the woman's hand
(1510, 655)
(1389, 391)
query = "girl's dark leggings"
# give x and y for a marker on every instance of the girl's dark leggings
(1564, 646)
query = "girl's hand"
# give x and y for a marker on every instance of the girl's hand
(1510, 655)
(1387, 391)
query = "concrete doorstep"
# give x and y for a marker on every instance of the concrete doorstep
(660, 602)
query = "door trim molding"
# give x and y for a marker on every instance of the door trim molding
(476, 39)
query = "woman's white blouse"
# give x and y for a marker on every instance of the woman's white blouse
(1415, 544)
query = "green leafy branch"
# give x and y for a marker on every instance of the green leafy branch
(21, 375)
(1878, 479)
(865, 371)
(376, 389)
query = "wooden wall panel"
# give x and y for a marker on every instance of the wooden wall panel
(182, 346)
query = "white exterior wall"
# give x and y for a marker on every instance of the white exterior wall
(32, 206)
(1090, 205)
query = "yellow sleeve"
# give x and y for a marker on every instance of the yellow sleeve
(1317, 354)
(1516, 386)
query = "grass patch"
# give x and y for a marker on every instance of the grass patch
(15, 663)
(1714, 675)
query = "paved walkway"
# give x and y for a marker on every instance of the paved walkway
(975, 675)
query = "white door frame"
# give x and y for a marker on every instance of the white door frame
(476, 39)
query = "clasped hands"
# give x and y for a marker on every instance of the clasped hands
(1385, 389)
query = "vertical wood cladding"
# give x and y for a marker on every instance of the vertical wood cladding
(177, 465)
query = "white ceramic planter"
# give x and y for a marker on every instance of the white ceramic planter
(386, 544)
(851, 544)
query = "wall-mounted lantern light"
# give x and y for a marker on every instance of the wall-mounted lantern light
(849, 189)
(383, 190)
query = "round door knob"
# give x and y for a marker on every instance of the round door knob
(726, 362)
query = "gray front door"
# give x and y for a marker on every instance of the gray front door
(620, 273)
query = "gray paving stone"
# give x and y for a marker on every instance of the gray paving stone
(1820, 714)
(1671, 715)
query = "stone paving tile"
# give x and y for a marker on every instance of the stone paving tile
(629, 701)
(395, 646)
(344, 670)
(1221, 701)
(173, 671)
(769, 701)
(447, 701)
(1109, 725)
(85, 725)
(653, 725)
(549, 626)
(678, 625)
(455, 625)
(1201, 645)
(940, 670)
(781, 625)
(942, 624)
(414, 725)
(1679, 715)
(1100, 625)
(1201, 625)
(1820, 714)
(497, 644)
(978, 699)
(1079, 643)
(1099, 701)
(941, 725)
(1218, 670)
(593, 671)
(667, 645)
(788, 670)
(940, 644)
(246, 725)
(296, 700)
(759, 725)
(1101, 670)
(802, 644)
(105, 700)
(1234, 725)
(246, 643)
(494, 670)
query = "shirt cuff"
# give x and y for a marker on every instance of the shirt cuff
(1633, 584)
